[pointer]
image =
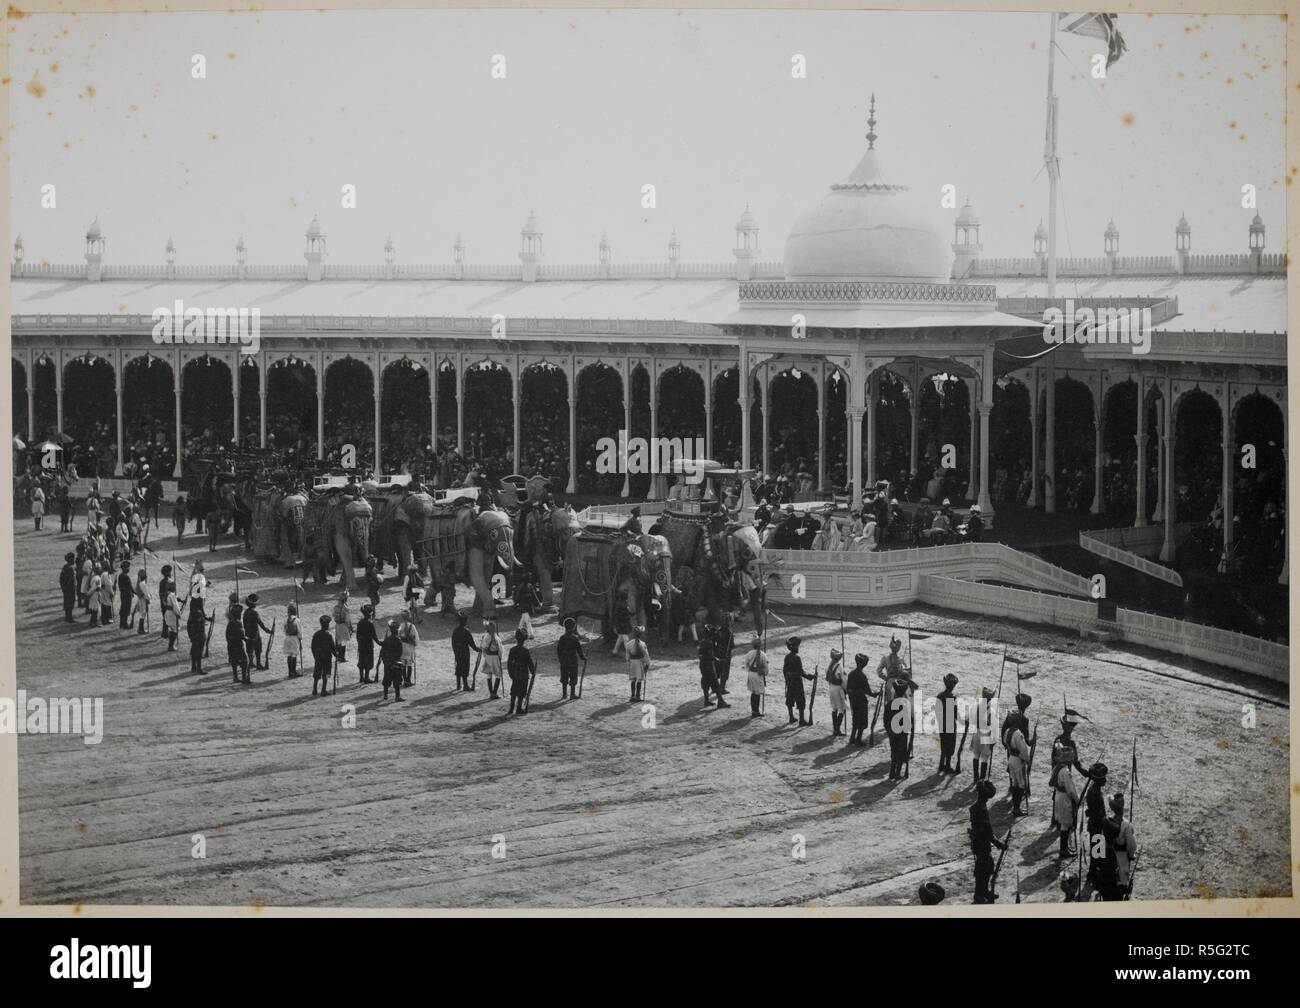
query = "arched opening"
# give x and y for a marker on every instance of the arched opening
(448, 438)
(90, 413)
(639, 483)
(1119, 454)
(404, 416)
(250, 403)
(837, 431)
(489, 426)
(1076, 446)
(726, 417)
(207, 406)
(544, 424)
(1010, 444)
(792, 431)
(600, 415)
(1259, 489)
(18, 391)
(893, 431)
(943, 465)
(1198, 458)
(45, 394)
(349, 412)
(149, 413)
(291, 408)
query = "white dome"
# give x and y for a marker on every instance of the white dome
(867, 229)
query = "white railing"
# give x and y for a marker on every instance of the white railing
(1123, 556)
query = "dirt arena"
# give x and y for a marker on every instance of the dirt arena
(593, 809)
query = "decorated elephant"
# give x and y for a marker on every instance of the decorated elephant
(542, 532)
(727, 559)
(402, 521)
(336, 530)
(463, 545)
(604, 570)
(236, 500)
(278, 517)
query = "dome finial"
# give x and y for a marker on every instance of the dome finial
(871, 124)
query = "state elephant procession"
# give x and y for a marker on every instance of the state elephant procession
(695, 566)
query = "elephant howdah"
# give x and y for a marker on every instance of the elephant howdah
(605, 570)
(463, 545)
(726, 559)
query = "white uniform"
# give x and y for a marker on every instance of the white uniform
(1018, 759)
(755, 664)
(491, 662)
(835, 690)
(1125, 850)
(292, 637)
(342, 623)
(638, 660)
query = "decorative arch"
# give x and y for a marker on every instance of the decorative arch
(1198, 452)
(207, 402)
(489, 417)
(291, 405)
(18, 399)
(600, 414)
(544, 421)
(349, 404)
(90, 410)
(149, 411)
(1010, 440)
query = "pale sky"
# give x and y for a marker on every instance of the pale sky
(702, 104)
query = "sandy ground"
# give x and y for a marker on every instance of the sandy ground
(589, 805)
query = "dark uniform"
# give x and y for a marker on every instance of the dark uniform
(723, 643)
(858, 687)
(1102, 867)
(367, 639)
(794, 680)
(68, 585)
(945, 710)
(322, 653)
(569, 651)
(253, 627)
(898, 726)
(196, 628)
(125, 595)
(390, 653)
(236, 643)
(461, 643)
(982, 842)
(709, 670)
(521, 667)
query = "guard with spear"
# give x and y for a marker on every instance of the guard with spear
(794, 680)
(983, 840)
(755, 665)
(945, 709)
(858, 687)
(522, 669)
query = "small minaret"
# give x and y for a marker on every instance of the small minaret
(1040, 247)
(531, 251)
(746, 250)
(1182, 244)
(603, 255)
(94, 252)
(1256, 242)
(966, 246)
(674, 254)
(19, 252)
(241, 259)
(1110, 242)
(458, 258)
(169, 256)
(390, 258)
(315, 253)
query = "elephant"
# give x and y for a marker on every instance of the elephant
(542, 534)
(337, 528)
(469, 547)
(402, 521)
(728, 561)
(236, 502)
(603, 570)
(278, 525)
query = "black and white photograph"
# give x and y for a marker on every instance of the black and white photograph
(648, 459)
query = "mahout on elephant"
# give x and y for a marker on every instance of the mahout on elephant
(542, 533)
(605, 569)
(727, 558)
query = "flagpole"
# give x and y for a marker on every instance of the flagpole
(1053, 173)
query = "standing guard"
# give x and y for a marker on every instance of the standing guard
(410, 638)
(253, 627)
(491, 649)
(125, 595)
(835, 691)
(755, 664)
(293, 640)
(522, 667)
(794, 680)
(945, 709)
(390, 653)
(724, 641)
(1065, 793)
(568, 649)
(858, 687)
(342, 625)
(236, 643)
(982, 841)
(982, 746)
(367, 641)
(899, 725)
(462, 641)
(323, 654)
(638, 664)
(68, 586)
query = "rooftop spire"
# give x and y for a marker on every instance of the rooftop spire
(871, 124)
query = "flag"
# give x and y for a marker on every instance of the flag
(1098, 26)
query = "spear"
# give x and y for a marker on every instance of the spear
(1006, 846)
(843, 659)
(813, 700)
(911, 742)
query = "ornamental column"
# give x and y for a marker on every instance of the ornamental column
(1097, 447)
(31, 402)
(1285, 576)
(58, 393)
(1140, 514)
(916, 421)
(627, 426)
(461, 377)
(765, 401)
(1229, 463)
(572, 488)
(433, 409)
(855, 455)
(320, 409)
(655, 491)
(821, 434)
(121, 443)
(1158, 511)
(378, 378)
(262, 378)
(745, 388)
(236, 383)
(1033, 440)
(873, 395)
(177, 381)
(984, 501)
(973, 481)
(1049, 441)
(1167, 550)
(517, 383)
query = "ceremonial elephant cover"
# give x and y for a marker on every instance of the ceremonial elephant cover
(587, 575)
